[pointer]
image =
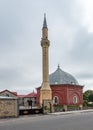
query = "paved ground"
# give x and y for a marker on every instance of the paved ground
(74, 120)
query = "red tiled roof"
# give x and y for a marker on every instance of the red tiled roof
(14, 93)
(21, 96)
(31, 95)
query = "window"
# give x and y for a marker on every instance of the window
(75, 99)
(7, 95)
(55, 100)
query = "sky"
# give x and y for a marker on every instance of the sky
(70, 30)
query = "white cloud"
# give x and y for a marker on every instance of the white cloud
(87, 6)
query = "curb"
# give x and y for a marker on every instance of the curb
(71, 112)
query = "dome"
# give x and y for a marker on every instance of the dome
(61, 77)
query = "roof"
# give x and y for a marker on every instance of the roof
(21, 96)
(33, 94)
(14, 93)
(61, 77)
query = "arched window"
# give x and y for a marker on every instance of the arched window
(55, 100)
(75, 99)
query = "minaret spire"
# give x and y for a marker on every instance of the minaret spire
(45, 29)
(45, 22)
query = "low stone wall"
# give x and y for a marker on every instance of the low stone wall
(8, 107)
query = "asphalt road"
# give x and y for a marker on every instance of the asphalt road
(76, 121)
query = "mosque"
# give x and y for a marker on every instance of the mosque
(65, 89)
(59, 87)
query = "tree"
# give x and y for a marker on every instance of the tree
(88, 96)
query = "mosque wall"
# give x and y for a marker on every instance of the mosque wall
(60, 92)
(67, 94)
(75, 92)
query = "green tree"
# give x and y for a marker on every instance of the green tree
(88, 96)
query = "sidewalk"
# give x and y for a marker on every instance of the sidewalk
(54, 114)
(71, 112)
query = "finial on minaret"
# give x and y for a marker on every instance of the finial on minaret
(44, 23)
(58, 66)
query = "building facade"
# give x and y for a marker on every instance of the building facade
(23, 100)
(66, 90)
(8, 107)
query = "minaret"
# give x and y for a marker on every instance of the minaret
(45, 92)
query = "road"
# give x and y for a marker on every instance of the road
(76, 121)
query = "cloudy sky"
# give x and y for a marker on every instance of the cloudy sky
(70, 24)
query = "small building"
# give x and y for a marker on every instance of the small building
(28, 100)
(8, 93)
(23, 100)
(65, 88)
(8, 107)
(31, 97)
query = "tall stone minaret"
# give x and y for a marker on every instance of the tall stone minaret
(45, 92)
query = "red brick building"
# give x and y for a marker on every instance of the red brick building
(65, 89)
